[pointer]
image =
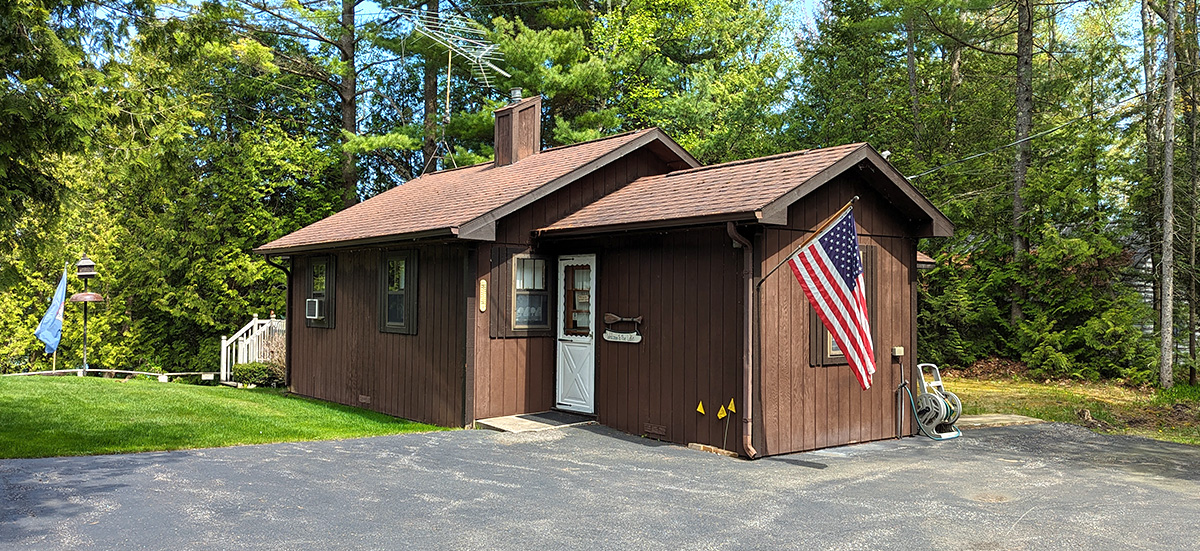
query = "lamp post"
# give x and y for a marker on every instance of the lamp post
(85, 269)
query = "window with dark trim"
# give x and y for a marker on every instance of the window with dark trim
(398, 292)
(319, 308)
(824, 351)
(521, 301)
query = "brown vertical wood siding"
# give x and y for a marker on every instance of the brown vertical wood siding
(418, 377)
(686, 286)
(804, 407)
(516, 375)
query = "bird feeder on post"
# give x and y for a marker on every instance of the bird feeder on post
(85, 269)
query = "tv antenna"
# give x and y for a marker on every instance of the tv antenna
(461, 36)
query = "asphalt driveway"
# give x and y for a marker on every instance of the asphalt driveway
(1045, 486)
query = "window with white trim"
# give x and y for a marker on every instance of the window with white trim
(521, 301)
(531, 293)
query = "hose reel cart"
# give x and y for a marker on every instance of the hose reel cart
(935, 408)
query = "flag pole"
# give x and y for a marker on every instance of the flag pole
(820, 228)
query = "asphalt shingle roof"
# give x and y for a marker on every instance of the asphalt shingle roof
(447, 199)
(729, 188)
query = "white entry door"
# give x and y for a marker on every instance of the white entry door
(576, 333)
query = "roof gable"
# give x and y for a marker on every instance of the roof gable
(760, 190)
(467, 202)
(483, 227)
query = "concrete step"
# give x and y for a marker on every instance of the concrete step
(532, 422)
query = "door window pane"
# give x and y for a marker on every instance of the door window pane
(578, 297)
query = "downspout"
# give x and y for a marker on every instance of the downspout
(470, 265)
(287, 333)
(748, 342)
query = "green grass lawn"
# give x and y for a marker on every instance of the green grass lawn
(53, 416)
(1172, 415)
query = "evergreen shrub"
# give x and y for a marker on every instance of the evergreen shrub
(1080, 319)
(260, 374)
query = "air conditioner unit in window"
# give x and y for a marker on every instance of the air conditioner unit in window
(314, 309)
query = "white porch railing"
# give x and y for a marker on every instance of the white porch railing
(249, 344)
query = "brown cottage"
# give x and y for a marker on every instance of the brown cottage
(512, 287)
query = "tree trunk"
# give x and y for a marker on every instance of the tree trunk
(429, 90)
(1148, 59)
(918, 128)
(1192, 48)
(1167, 356)
(1150, 128)
(348, 94)
(1024, 103)
(955, 56)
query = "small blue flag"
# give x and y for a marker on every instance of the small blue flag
(50, 330)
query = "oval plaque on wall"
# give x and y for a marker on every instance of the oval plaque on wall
(622, 336)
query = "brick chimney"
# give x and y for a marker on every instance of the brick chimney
(518, 129)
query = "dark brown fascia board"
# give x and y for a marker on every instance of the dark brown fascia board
(669, 224)
(320, 247)
(940, 225)
(674, 147)
(483, 228)
(775, 212)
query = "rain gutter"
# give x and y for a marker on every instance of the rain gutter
(748, 342)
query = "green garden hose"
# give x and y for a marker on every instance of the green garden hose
(920, 426)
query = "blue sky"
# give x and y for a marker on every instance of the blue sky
(800, 13)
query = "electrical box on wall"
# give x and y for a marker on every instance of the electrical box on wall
(898, 351)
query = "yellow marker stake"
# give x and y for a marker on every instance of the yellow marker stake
(723, 415)
(700, 407)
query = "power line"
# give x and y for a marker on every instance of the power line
(1045, 132)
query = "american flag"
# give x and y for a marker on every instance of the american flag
(830, 270)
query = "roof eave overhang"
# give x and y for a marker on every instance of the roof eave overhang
(439, 233)
(483, 228)
(668, 224)
(932, 222)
